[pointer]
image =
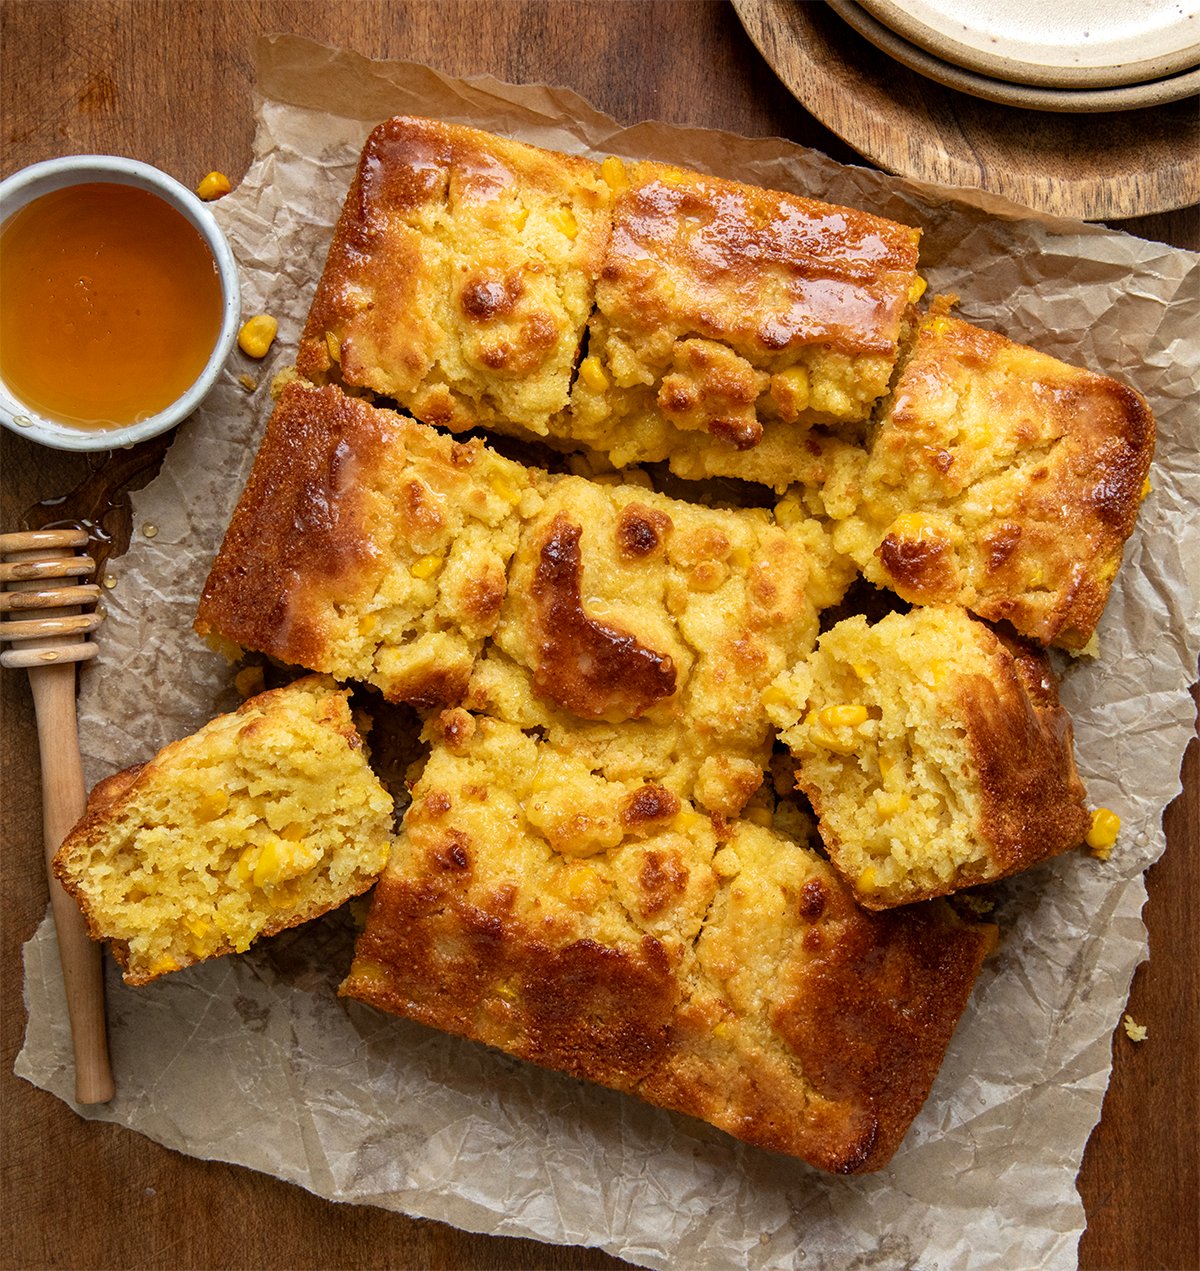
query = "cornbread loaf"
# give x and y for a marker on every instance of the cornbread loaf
(471, 276)
(1002, 480)
(367, 546)
(263, 819)
(727, 314)
(936, 755)
(372, 548)
(461, 275)
(599, 925)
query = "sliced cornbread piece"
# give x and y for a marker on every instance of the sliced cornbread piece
(263, 819)
(605, 928)
(460, 277)
(935, 754)
(1002, 480)
(624, 605)
(368, 547)
(728, 315)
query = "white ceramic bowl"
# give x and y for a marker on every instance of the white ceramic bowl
(55, 174)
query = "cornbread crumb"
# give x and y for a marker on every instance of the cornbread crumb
(249, 681)
(1133, 1030)
(263, 819)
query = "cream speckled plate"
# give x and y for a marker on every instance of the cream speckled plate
(1052, 43)
(1062, 100)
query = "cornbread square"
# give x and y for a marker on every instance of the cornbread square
(461, 276)
(626, 608)
(1002, 480)
(729, 315)
(367, 546)
(603, 927)
(263, 819)
(936, 755)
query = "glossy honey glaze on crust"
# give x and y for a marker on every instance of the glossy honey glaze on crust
(760, 270)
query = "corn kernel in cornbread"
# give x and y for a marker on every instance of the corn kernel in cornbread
(368, 547)
(263, 819)
(601, 926)
(1002, 480)
(461, 276)
(727, 313)
(936, 755)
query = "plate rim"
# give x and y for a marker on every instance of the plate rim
(1019, 70)
(1006, 93)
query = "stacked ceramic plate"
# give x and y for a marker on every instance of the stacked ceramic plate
(1058, 55)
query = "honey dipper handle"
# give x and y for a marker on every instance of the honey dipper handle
(63, 801)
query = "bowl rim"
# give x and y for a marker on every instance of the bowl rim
(30, 183)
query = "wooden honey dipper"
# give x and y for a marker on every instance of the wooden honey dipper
(49, 644)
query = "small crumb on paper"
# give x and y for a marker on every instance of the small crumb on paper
(1133, 1030)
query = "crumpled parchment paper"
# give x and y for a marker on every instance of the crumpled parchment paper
(358, 1106)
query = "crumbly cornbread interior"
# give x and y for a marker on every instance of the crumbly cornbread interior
(262, 819)
(916, 738)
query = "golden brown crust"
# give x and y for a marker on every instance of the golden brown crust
(1002, 480)
(592, 668)
(1033, 804)
(460, 275)
(752, 993)
(756, 269)
(366, 546)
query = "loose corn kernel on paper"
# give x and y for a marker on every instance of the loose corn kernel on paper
(409, 1119)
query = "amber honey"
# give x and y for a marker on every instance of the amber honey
(110, 305)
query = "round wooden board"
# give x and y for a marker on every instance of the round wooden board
(1095, 167)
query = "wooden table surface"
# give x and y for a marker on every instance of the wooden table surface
(171, 83)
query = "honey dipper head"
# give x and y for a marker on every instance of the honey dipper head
(44, 597)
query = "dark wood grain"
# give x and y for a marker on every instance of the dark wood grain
(171, 82)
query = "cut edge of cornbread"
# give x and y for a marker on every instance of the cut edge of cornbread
(936, 755)
(261, 820)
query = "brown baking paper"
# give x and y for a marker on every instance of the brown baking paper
(253, 1059)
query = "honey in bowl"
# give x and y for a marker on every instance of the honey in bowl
(110, 305)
